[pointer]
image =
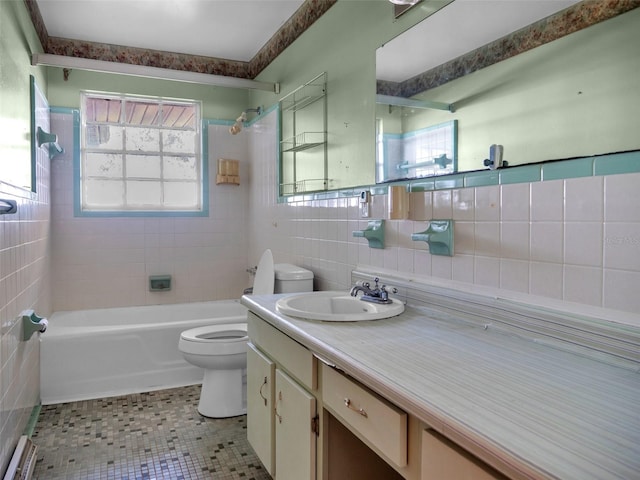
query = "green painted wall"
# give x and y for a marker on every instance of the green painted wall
(577, 96)
(217, 102)
(343, 43)
(530, 105)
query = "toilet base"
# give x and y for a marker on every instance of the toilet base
(223, 394)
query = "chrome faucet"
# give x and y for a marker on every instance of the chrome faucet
(378, 294)
(360, 287)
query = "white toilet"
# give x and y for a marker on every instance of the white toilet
(221, 350)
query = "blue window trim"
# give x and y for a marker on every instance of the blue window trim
(77, 211)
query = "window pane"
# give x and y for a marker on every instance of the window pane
(106, 137)
(179, 141)
(102, 110)
(140, 153)
(143, 113)
(103, 165)
(143, 166)
(180, 168)
(181, 194)
(179, 116)
(143, 194)
(106, 194)
(143, 139)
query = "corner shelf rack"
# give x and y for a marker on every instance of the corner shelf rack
(303, 138)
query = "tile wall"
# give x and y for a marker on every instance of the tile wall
(105, 262)
(24, 284)
(576, 240)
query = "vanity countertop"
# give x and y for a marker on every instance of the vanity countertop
(533, 410)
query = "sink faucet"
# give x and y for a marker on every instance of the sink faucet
(378, 294)
(360, 287)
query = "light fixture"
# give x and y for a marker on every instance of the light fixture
(404, 2)
(103, 66)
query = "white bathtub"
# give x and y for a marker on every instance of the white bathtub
(116, 351)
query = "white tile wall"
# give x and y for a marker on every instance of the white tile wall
(24, 284)
(576, 239)
(105, 262)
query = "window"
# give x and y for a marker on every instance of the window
(140, 154)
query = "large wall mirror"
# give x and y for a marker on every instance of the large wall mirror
(575, 96)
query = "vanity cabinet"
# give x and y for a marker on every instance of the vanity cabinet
(281, 410)
(308, 420)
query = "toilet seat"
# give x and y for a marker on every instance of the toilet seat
(222, 339)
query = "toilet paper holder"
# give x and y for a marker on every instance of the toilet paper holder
(32, 323)
(439, 236)
(374, 233)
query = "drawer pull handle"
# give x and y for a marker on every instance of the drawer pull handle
(260, 391)
(275, 409)
(347, 403)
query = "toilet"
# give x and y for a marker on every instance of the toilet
(221, 350)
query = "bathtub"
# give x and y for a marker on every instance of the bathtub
(117, 351)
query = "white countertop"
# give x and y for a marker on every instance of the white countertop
(532, 410)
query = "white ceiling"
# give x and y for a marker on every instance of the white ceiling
(458, 28)
(229, 29)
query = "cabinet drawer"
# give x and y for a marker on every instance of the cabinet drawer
(293, 357)
(376, 421)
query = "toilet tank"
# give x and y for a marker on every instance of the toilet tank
(291, 278)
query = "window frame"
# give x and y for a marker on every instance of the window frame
(200, 154)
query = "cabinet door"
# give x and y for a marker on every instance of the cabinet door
(260, 420)
(295, 409)
(443, 460)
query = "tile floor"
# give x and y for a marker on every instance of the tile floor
(155, 435)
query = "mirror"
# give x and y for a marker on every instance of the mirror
(571, 97)
(17, 161)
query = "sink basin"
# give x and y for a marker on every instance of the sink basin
(336, 307)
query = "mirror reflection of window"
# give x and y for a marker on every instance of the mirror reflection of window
(425, 152)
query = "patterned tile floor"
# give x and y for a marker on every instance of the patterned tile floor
(155, 435)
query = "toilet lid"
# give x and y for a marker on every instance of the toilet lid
(265, 277)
